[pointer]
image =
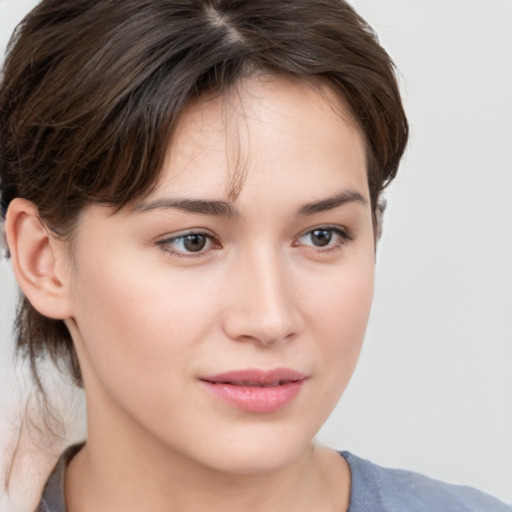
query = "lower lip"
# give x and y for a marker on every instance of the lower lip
(256, 398)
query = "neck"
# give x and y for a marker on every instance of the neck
(110, 475)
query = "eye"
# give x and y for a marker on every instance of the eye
(324, 238)
(188, 244)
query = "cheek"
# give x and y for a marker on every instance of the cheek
(342, 311)
(136, 319)
(343, 294)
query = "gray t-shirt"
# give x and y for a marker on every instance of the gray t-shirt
(373, 489)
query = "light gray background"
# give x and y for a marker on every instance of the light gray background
(433, 390)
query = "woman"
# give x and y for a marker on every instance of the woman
(192, 203)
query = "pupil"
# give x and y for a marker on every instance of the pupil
(194, 243)
(321, 237)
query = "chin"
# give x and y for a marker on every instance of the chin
(260, 463)
(254, 454)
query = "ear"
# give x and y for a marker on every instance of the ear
(381, 208)
(39, 260)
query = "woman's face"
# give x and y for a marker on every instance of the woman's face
(225, 330)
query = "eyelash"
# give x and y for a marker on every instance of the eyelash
(341, 237)
(210, 241)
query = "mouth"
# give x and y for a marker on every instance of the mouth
(255, 390)
(254, 384)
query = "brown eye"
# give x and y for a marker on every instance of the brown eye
(321, 237)
(194, 243)
(324, 238)
(189, 244)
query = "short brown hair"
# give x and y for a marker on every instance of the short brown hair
(92, 89)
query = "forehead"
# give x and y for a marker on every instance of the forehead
(285, 144)
(264, 125)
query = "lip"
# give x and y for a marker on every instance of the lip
(256, 390)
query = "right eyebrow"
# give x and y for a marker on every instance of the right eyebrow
(197, 206)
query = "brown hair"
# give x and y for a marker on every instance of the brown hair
(92, 89)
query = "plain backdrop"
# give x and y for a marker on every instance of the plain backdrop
(433, 389)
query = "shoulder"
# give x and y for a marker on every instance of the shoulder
(52, 499)
(391, 490)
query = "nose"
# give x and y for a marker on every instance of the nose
(263, 306)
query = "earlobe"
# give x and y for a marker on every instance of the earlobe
(37, 260)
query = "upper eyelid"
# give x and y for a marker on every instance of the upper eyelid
(343, 234)
(165, 242)
(203, 231)
(192, 231)
(327, 227)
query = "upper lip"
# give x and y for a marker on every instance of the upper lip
(255, 376)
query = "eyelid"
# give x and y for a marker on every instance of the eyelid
(165, 243)
(344, 234)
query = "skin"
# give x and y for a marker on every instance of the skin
(149, 318)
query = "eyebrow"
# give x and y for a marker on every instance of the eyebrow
(344, 197)
(198, 206)
(227, 209)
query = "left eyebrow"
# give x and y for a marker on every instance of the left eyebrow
(344, 197)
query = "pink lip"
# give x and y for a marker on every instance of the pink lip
(256, 390)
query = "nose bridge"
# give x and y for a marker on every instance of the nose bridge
(263, 303)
